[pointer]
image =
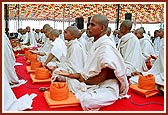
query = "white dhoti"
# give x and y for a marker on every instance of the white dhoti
(99, 95)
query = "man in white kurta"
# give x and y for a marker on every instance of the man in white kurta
(103, 79)
(76, 55)
(44, 50)
(31, 37)
(156, 42)
(58, 50)
(146, 44)
(24, 37)
(108, 32)
(115, 37)
(130, 49)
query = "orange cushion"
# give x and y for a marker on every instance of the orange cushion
(42, 73)
(146, 82)
(59, 91)
(143, 92)
(35, 64)
(32, 57)
(27, 54)
(34, 80)
(70, 101)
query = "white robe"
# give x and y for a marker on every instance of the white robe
(75, 59)
(90, 41)
(130, 49)
(59, 50)
(46, 48)
(46, 45)
(114, 38)
(25, 38)
(19, 36)
(83, 40)
(101, 55)
(43, 37)
(86, 41)
(147, 47)
(11, 103)
(32, 39)
(9, 61)
(38, 36)
(157, 45)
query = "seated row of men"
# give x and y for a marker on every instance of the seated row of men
(95, 69)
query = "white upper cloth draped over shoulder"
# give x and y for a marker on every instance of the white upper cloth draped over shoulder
(8, 44)
(59, 49)
(114, 38)
(83, 40)
(130, 49)
(101, 55)
(147, 47)
(46, 46)
(75, 58)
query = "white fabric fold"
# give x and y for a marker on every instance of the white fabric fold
(130, 49)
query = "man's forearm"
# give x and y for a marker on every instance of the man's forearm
(49, 58)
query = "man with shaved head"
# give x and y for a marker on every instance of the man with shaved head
(146, 45)
(108, 32)
(103, 79)
(130, 49)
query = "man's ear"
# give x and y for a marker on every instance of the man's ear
(103, 28)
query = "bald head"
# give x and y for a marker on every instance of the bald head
(139, 33)
(46, 26)
(126, 27)
(161, 33)
(101, 19)
(127, 24)
(55, 33)
(74, 31)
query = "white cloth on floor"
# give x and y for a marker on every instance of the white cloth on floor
(11, 103)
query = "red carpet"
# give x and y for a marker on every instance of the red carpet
(39, 103)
